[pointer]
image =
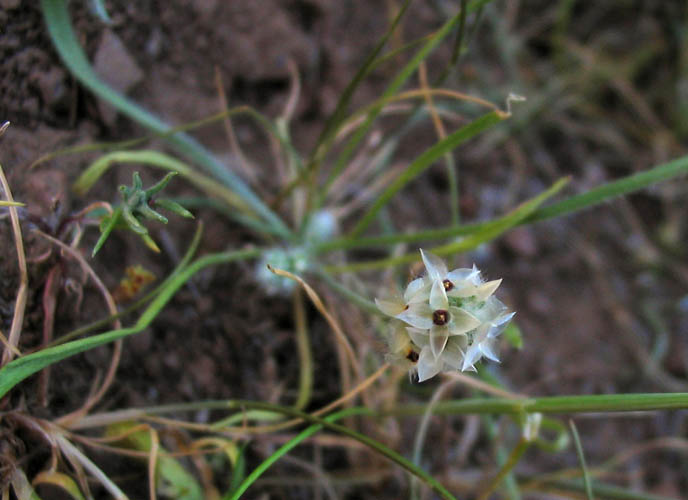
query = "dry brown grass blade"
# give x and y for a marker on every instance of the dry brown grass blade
(112, 308)
(152, 461)
(246, 168)
(339, 333)
(20, 303)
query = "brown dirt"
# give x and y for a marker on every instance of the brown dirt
(582, 286)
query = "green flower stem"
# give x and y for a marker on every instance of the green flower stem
(362, 438)
(598, 403)
(19, 369)
(553, 404)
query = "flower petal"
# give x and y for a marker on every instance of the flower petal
(390, 307)
(419, 337)
(427, 365)
(417, 291)
(453, 355)
(488, 349)
(461, 321)
(418, 315)
(398, 340)
(472, 356)
(438, 297)
(436, 267)
(484, 290)
(438, 339)
(462, 274)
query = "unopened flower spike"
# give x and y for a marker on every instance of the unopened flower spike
(453, 319)
(136, 203)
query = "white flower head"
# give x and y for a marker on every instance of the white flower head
(454, 318)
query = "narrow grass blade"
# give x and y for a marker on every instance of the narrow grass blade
(425, 160)
(611, 190)
(19, 369)
(581, 458)
(178, 483)
(21, 486)
(401, 78)
(60, 480)
(328, 423)
(485, 234)
(337, 116)
(62, 34)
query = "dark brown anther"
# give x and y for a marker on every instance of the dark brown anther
(412, 356)
(448, 285)
(440, 317)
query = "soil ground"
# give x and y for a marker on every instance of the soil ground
(600, 296)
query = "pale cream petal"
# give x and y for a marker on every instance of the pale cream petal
(472, 356)
(427, 365)
(390, 307)
(438, 339)
(463, 274)
(418, 315)
(436, 267)
(461, 321)
(484, 290)
(438, 297)
(488, 349)
(417, 291)
(419, 337)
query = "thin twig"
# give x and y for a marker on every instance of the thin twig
(20, 303)
(117, 349)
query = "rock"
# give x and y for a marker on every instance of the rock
(117, 68)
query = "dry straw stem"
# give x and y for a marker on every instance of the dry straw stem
(20, 304)
(112, 308)
(339, 333)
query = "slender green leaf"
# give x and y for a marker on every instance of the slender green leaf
(60, 480)
(581, 459)
(60, 28)
(487, 233)
(611, 190)
(425, 160)
(177, 483)
(19, 369)
(401, 78)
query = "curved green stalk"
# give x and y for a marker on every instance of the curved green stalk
(59, 25)
(378, 447)
(19, 369)
(100, 323)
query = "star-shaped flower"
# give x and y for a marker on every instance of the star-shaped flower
(429, 365)
(459, 283)
(495, 317)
